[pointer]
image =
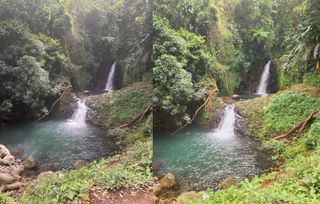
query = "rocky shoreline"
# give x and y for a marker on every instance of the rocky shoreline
(14, 173)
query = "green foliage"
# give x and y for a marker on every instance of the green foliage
(196, 16)
(173, 87)
(180, 61)
(25, 82)
(132, 170)
(276, 146)
(312, 78)
(256, 31)
(312, 138)
(287, 109)
(302, 41)
(292, 151)
(128, 104)
(298, 183)
(3, 198)
(47, 17)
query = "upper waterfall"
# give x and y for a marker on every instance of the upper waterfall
(263, 85)
(110, 82)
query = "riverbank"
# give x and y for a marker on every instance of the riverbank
(129, 171)
(295, 181)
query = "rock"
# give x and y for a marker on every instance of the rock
(29, 163)
(14, 186)
(186, 196)
(168, 181)
(16, 176)
(18, 170)
(205, 196)
(4, 162)
(157, 189)
(17, 152)
(3, 151)
(46, 175)
(79, 164)
(60, 174)
(9, 158)
(227, 183)
(236, 97)
(5, 178)
(155, 199)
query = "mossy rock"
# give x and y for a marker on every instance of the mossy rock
(206, 116)
(112, 109)
(252, 110)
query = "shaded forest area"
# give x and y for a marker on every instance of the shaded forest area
(49, 46)
(200, 46)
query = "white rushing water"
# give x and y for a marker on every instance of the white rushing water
(80, 113)
(110, 84)
(226, 128)
(263, 85)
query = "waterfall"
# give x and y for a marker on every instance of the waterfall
(109, 85)
(263, 85)
(80, 113)
(226, 127)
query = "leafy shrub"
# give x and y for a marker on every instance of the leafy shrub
(312, 138)
(298, 182)
(276, 146)
(292, 151)
(312, 78)
(128, 104)
(288, 109)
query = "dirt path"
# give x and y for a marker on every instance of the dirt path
(124, 196)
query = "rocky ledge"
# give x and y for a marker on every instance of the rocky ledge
(12, 169)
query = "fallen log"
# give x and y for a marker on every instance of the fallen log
(300, 126)
(139, 117)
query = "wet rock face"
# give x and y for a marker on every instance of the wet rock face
(163, 191)
(29, 163)
(168, 181)
(274, 79)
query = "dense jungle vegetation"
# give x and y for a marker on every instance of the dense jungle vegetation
(49, 46)
(203, 45)
(64, 49)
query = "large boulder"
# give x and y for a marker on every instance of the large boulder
(236, 97)
(46, 175)
(4, 162)
(79, 164)
(168, 180)
(5, 178)
(29, 163)
(157, 189)
(3, 151)
(227, 183)
(9, 158)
